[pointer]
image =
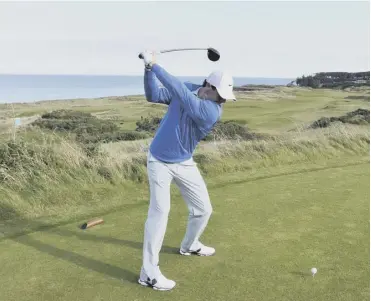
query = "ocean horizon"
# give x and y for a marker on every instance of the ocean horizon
(15, 88)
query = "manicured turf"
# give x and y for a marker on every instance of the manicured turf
(268, 233)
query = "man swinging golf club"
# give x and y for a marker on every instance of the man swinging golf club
(192, 112)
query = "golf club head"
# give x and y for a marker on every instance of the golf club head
(213, 54)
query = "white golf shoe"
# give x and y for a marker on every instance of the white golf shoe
(160, 283)
(201, 251)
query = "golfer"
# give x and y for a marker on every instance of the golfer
(192, 112)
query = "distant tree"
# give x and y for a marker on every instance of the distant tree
(334, 79)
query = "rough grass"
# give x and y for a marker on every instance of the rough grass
(30, 168)
(45, 174)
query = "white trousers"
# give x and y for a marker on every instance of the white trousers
(193, 189)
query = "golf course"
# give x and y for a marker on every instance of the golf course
(288, 175)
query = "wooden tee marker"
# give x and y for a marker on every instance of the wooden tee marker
(92, 223)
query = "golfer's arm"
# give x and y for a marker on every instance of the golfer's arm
(191, 103)
(153, 92)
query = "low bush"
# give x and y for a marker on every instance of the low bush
(148, 124)
(230, 129)
(359, 116)
(74, 121)
(88, 130)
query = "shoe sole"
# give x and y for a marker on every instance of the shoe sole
(194, 253)
(146, 284)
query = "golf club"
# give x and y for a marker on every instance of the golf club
(212, 53)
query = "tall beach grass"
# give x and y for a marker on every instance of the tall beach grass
(45, 174)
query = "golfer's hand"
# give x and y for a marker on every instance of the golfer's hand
(149, 58)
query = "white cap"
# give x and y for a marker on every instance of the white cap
(223, 83)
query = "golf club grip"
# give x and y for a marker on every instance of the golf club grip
(140, 56)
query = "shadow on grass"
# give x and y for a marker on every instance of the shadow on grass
(21, 226)
(84, 235)
(80, 260)
(22, 237)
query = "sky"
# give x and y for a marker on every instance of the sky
(255, 39)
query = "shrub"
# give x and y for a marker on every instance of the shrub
(359, 116)
(222, 130)
(111, 137)
(357, 120)
(88, 129)
(15, 154)
(323, 122)
(364, 113)
(74, 121)
(230, 130)
(148, 124)
(67, 114)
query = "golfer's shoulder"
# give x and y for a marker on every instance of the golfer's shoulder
(191, 86)
(211, 110)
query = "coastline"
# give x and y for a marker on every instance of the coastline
(31, 89)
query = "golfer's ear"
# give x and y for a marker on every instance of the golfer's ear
(204, 83)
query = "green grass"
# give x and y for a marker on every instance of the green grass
(268, 233)
(297, 199)
(52, 161)
(289, 108)
(271, 111)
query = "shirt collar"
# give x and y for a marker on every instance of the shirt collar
(195, 92)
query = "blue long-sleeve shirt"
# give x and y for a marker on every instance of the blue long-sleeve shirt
(188, 118)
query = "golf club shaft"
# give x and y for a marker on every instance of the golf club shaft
(176, 49)
(181, 49)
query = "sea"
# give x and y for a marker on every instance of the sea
(33, 88)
